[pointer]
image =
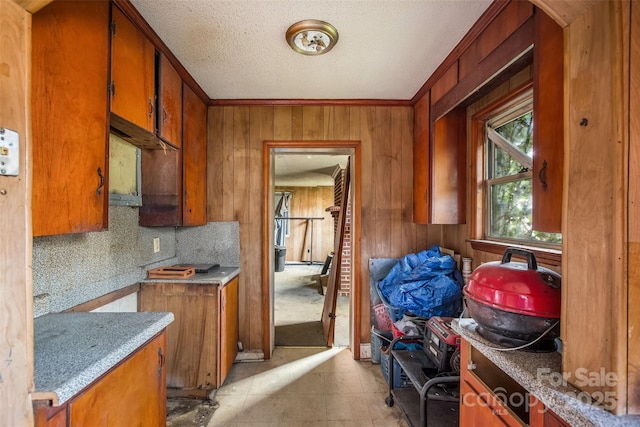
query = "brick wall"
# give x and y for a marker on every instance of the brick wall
(344, 287)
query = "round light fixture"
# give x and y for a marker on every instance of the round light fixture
(312, 37)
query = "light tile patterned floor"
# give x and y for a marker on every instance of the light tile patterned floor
(305, 387)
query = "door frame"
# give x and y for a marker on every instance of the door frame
(269, 150)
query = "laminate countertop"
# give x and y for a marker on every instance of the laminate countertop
(219, 276)
(71, 350)
(537, 373)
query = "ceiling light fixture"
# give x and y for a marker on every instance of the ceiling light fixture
(312, 37)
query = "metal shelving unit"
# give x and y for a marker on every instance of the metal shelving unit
(433, 399)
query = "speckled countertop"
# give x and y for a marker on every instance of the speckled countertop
(535, 372)
(219, 276)
(71, 350)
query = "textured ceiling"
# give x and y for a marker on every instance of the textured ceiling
(236, 49)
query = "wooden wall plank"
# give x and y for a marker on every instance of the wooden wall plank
(282, 123)
(380, 179)
(329, 122)
(633, 389)
(312, 123)
(445, 83)
(395, 178)
(309, 202)
(228, 182)
(261, 128)
(421, 165)
(297, 128)
(409, 228)
(341, 125)
(215, 163)
(16, 322)
(591, 221)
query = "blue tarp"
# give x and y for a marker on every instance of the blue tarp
(425, 284)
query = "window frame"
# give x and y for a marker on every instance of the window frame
(545, 253)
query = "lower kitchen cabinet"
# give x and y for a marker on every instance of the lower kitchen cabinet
(202, 341)
(480, 381)
(133, 393)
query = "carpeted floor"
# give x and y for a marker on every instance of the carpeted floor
(298, 308)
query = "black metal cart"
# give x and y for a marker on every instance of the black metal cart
(434, 398)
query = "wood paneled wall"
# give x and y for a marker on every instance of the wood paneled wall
(235, 182)
(16, 294)
(309, 202)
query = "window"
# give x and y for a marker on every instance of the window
(506, 179)
(124, 173)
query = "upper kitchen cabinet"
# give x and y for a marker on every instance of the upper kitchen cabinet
(421, 150)
(194, 159)
(174, 183)
(169, 116)
(70, 69)
(548, 132)
(132, 76)
(448, 169)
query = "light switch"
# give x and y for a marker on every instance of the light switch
(9, 152)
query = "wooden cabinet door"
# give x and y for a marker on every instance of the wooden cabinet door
(192, 338)
(132, 74)
(448, 169)
(194, 159)
(70, 63)
(475, 411)
(161, 188)
(169, 103)
(548, 132)
(132, 394)
(228, 328)
(421, 163)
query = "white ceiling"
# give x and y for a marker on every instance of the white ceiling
(236, 49)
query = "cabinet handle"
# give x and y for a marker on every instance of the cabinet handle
(101, 184)
(151, 109)
(113, 89)
(542, 175)
(160, 361)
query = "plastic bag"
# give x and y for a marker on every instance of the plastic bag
(426, 284)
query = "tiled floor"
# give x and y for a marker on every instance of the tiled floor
(302, 386)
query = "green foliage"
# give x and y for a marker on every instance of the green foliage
(511, 201)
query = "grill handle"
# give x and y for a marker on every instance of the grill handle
(529, 256)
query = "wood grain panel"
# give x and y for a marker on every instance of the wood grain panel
(592, 223)
(169, 110)
(548, 134)
(395, 178)
(382, 187)
(215, 164)
(448, 157)
(309, 202)
(312, 123)
(133, 73)
(228, 151)
(131, 394)
(505, 24)
(16, 323)
(194, 159)
(282, 120)
(341, 123)
(228, 328)
(69, 119)
(445, 83)
(633, 389)
(421, 156)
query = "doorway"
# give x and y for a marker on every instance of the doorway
(295, 288)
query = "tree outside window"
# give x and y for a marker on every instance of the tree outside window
(509, 153)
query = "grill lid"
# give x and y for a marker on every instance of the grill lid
(516, 287)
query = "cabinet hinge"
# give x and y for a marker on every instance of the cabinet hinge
(113, 28)
(111, 88)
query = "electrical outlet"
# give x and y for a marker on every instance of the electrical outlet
(156, 245)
